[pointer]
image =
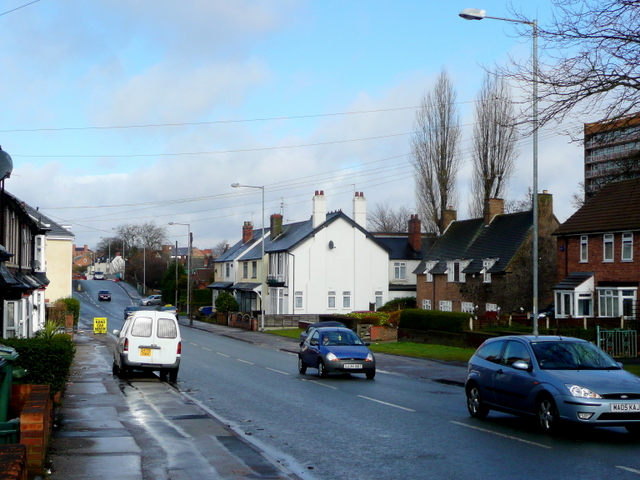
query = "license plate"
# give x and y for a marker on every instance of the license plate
(145, 352)
(353, 365)
(625, 407)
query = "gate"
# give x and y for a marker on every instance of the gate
(618, 343)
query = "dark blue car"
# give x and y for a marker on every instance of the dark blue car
(336, 350)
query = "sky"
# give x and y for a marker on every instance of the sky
(146, 111)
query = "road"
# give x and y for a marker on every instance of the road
(393, 427)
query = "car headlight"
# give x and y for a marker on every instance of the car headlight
(578, 391)
(369, 357)
(332, 357)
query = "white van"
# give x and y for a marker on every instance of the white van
(149, 340)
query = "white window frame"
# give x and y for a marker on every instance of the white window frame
(626, 254)
(331, 299)
(378, 297)
(400, 270)
(608, 247)
(611, 300)
(428, 276)
(254, 269)
(584, 248)
(346, 300)
(298, 300)
(426, 304)
(491, 307)
(446, 306)
(245, 269)
(486, 266)
(467, 307)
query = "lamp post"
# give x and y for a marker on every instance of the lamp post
(477, 14)
(262, 290)
(188, 225)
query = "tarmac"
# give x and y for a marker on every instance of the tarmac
(146, 429)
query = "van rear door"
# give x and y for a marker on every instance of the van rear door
(141, 339)
(167, 337)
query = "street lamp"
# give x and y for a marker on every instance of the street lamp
(477, 14)
(188, 225)
(262, 290)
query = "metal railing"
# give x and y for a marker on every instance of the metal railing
(618, 343)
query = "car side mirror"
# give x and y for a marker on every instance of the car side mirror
(521, 365)
(313, 343)
(116, 333)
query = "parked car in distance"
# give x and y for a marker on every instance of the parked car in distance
(553, 379)
(170, 309)
(136, 308)
(98, 276)
(149, 341)
(152, 300)
(104, 296)
(336, 350)
(331, 323)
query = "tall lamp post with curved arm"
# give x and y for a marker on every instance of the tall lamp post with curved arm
(189, 240)
(264, 271)
(478, 14)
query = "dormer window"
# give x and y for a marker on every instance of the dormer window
(487, 263)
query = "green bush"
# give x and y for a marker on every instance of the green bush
(201, 298)
(417, 319)
(47, 360)
(398, 304)
(64, 306)
(226, 303)
(373, 318)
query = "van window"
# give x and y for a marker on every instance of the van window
(141, 327)
(167, 328)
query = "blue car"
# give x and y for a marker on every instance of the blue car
(336, 350)
(553, 379)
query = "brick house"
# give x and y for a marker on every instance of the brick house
(598, 247)
(483, 264)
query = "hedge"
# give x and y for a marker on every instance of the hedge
(417, 319)
(47, 360)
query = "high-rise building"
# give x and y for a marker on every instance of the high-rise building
(611, 152)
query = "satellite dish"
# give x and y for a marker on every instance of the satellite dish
(6, 165)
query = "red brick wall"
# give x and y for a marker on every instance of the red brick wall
(438, 290)
(13, 462)
(36, 422)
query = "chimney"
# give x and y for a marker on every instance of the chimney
(247, 232)
(546, 225)
(448, 216)
(415, 235)
(319, 209)
(493, 207)
(360, 209)
(276, 225)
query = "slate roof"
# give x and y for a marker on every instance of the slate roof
(399, 248)
(613, 208)
(54, 229)
(239, 248)
(473, 241)
(573, 280)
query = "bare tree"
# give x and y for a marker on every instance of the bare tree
(494, 143)
(578, 198)
(385, 219)
(590, 60)
(219, 248)
(434, 147)
(520, 205)
(138, 236)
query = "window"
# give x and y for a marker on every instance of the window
(331, 299)
(607, 247)
(429, 266)
(584, 248)
(426, 304)
(467, 307)
(378, 299)
(515, 352)
(614, 302)
(141, 327)
(298, 299)
(227, 270)
(346, 299)
(167, 328)
(11, 316)
(627, 247)
(399, 270)
(245, 269)
(486, 266)
(254, 269)
(491, 307)
(446, 305)
(454, 272)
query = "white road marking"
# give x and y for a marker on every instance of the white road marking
(195, 344)
(503, 435)
(207, 349)
(632, 470)
(223, 355)
(245, 361)
(321, 384)
(277, 371)
(386, 403)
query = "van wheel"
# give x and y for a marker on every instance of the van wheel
(163, 374)
(115, 369)
(173, 375)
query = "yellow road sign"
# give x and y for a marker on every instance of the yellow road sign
(99, 324)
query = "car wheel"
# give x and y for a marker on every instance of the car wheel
(302, 368)
(115, 369)
(371, 375)
(173, 375)
(322, 370)
(475, 404)
(548, 418)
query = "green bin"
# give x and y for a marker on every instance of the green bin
(8, 356)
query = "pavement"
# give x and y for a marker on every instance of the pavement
(147, 429)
